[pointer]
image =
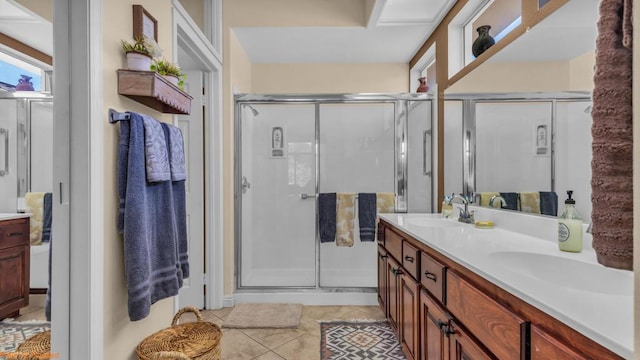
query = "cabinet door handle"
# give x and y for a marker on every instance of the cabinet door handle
(441, 324)
(430, 276)
(384, 256)
(19, 233)
(448, 330)
(408, 258)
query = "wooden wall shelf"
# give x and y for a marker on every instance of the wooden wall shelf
(153, 90)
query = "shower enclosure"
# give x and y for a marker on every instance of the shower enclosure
(289, 149)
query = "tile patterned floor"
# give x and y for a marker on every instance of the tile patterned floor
(260, 344)
(285, 344)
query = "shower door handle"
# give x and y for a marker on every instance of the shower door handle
(307, 196)
(5, 168)
(246, 185)
(426, 134)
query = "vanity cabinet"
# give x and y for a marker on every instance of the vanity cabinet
(441, 310)
(14, 266)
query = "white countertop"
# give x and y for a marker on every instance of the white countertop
(599, 304)
(11, 216)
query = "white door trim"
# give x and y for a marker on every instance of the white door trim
(186, 30)
(77, 240)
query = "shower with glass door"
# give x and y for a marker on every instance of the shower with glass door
(289, 149)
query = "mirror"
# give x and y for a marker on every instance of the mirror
(520, 123)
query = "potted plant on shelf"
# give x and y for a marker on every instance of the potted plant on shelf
(170, 71)
(140, 52)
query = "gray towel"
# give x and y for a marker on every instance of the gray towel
(148, 224)
(155, 151)
(176, 153)
(179, 201)
(548, 203)
(367, 204)
(327, 217)
(46, 217)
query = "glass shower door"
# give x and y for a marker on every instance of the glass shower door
(277, 186)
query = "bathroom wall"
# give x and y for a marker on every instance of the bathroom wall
(43, 8)
(195, 8)
(121, 336)
(581, 72)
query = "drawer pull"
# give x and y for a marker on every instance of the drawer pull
(396, 272)
(384, 256)
(430, 276)
(19, 233)
(409, 259)
(442, 324)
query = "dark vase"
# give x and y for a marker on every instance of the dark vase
(423, 88)
(483, 42)
(24, 84)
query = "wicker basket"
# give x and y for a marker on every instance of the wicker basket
(194, 341)
(36, 347)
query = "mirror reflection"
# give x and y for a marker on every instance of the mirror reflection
(520, 123)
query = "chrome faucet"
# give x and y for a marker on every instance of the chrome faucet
(498, 197)
(465, 216)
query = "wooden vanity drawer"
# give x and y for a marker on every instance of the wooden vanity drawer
(411, 260)
(393, 244)
(433, 276)
(545, 347)
(14, 232)
(494, 325)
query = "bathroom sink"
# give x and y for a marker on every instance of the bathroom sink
(565, 272)
(432, 222)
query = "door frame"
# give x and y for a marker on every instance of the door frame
(187, 32)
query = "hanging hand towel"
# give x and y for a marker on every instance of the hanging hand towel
(46, 217)
(327, 217)
(386, 202)
(34, 203)
(486, 196)
(345, 214)
(548, 203)
(367, 216)
(155, 151)
(530, 202)
(512, 200)
(176, 154)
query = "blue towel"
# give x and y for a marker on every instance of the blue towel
(179, 203)
(548, 203)
(148, 224)
(155, 151)
(47, 300)
(367, 204)
(176, 153)
(46, 217)
(327, 217)
(512, 200)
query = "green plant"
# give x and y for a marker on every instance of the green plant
(142, 45)
(165, 67)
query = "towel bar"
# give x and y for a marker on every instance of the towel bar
(115, 116)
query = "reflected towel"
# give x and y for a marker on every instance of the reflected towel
(179, 201)
(327, 217)
(512, 200)
(34, 203)
(155, 151)
(486, 196)
(548, 203)
(345, 214)
(148, 225)
(176, 153)
(530, 202)
(47, 214)
(47, 299)
(367, 205)
(386, 202)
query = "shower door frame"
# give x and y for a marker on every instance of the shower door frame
(401, 117)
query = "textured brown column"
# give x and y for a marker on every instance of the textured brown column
(612, 176)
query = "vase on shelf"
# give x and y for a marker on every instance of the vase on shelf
(483, 42)
(24, 83)
(423, 88)
(138, 61)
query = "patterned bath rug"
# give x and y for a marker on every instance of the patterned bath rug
(14, 333)
(359, 340)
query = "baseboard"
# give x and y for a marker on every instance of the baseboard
(308, 298)
(228, 301)
(37, 291)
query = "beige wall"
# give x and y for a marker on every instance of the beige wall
(195, 8)
(499, 15)
(43, 8)
(329, 78)
(121, 336)
(581, 72)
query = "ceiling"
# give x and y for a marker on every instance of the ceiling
(395, 31)
(24, 25)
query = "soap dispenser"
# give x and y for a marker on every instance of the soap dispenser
(447, 207)
(570, 227)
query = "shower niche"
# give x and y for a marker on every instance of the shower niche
(290, 149)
